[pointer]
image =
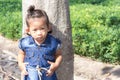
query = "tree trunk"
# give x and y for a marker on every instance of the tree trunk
(58, 13)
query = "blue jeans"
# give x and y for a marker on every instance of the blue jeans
(33, 74)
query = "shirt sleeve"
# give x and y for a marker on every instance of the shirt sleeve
(59, 44)
(20, 44)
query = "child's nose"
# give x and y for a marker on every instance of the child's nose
(39, 32)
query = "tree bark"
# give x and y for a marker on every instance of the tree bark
(58, 13)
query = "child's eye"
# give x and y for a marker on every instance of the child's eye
(42, 28)
(34, 29)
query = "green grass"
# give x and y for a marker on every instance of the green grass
(96, 29)
(11, 18)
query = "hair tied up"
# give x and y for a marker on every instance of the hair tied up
(31, 9)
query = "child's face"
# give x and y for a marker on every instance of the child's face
(38, 29)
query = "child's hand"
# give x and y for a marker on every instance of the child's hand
(52, 68)
(24, 72)
(23, 69)
(49, 72)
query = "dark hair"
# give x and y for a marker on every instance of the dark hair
(36, 13)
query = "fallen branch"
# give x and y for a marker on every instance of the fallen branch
(10, 53)
(7, 74)
(1, 69)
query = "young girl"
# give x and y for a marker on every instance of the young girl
(39, 49)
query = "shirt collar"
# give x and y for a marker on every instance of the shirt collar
(32, 41)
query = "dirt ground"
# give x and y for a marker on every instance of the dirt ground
(87, 69)
(84, 68)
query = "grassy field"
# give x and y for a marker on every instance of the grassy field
(96, 29)
(10, 18)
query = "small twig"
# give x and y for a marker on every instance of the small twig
(1, 69)
(13, 77)
(10, 53)
(8, 75)
(4, 73)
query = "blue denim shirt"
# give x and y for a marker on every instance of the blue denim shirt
(39, 54)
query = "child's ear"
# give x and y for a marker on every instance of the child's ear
(27, 30)
(50, 28)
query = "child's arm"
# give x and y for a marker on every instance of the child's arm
(21, 64)
(56, 64)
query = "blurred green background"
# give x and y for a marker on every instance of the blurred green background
(10, 18)
(95, 26)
